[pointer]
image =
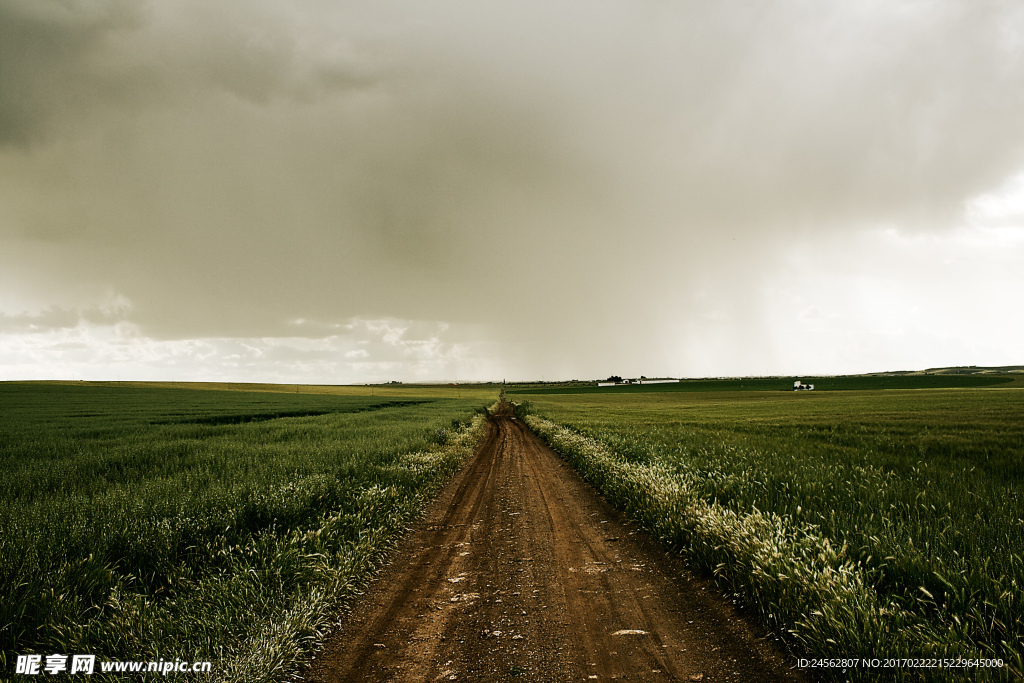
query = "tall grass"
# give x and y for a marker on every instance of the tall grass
(861, 524)
(144, 523)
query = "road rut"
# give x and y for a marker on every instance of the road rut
(521, 571)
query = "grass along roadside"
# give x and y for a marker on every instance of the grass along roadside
(139, 525)
(806, 512)
(285, 637)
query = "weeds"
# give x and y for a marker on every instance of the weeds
(136, 527)
(863, 525)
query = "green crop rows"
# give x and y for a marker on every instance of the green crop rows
(854, 524)
(143, 523)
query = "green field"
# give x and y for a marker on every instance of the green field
(856, 523)
(142, 522)
(229, 522)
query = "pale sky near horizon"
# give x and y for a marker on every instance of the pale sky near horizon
(315, 191)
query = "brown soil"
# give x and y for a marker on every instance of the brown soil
(521, 571)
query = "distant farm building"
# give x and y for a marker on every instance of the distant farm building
(800, 386)
(642, 380)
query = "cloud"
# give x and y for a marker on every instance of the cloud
(44, 48)
(69, 66)
(362, 351)
(113, 312)
(578, 180)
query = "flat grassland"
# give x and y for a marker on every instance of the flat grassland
(141, 522)
(231, 523)
(854, 523)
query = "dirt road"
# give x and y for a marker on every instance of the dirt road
(522, 572)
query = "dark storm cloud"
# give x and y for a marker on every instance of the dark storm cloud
(53, 319)
(547, 170)
(64, 63)
(44, 50)
(56, 318)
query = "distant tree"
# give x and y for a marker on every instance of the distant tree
(614, 378)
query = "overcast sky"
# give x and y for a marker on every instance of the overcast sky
(322, 191)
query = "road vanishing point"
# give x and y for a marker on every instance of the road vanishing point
(521, 571)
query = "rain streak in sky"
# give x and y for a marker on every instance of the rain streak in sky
(314, 191)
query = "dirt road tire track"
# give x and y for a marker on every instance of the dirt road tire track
(521, 571)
